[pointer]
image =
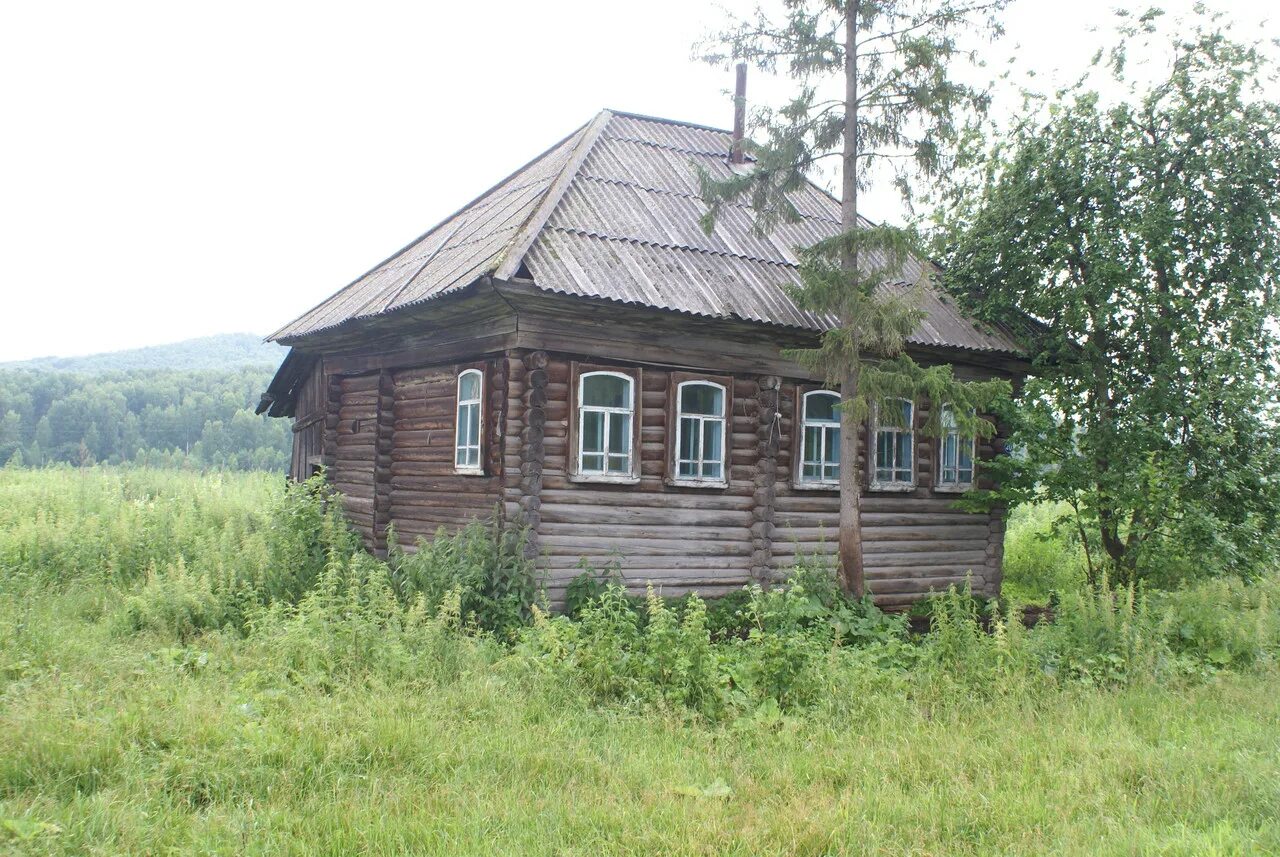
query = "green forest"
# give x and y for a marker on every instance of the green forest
(186, 405)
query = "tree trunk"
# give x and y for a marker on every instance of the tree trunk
(851, 572)
(852, 578)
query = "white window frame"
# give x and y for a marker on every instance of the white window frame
(947, 431)
(701, 481)
(878, 484)
(581, 473)
(825, 425)
(476, 469)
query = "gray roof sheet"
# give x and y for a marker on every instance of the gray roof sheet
(612, 212)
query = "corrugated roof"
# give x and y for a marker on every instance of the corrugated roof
(613, 212)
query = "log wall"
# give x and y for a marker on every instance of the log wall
(425, 491)
(308, 425)
(678, 538)
(912, 541)
(389, 444)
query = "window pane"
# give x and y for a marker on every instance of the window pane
(592, 431)
(592, 463)
(473, 424)
(711, 440)
(966, 455)
(902, 457)
(811, 472)
(949, 444)
(468, 386)
(821, 406)
(619, 432)
(687, 468)
(906, 414)
(702, 399)
(606, 391)
(884, 450)
(688, 439)
(948, 418)
(711, 470)
(812, 440)
(831, 454)
(619, 464)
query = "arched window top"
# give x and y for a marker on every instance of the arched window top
(703, 398)
(467, 434)
(606, 390)
(822, 406)
(700, 428)
(470, 382)
(956, 454)
(606, 426)
(894, 467)
(818, 465)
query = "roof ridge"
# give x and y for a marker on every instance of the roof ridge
(742, 205)
(623, 138)
(667, 245)
(510, 260)
(661, 120)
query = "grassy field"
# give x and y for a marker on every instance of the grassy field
(309, 733)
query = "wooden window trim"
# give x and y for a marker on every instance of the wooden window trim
(671, 436)
(576, 371)
(797, 443)
(873, 453)
(481, 366)
(954, 487)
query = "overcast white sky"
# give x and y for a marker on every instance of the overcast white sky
(172, 169)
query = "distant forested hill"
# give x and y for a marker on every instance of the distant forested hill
(224, 351)
(189, 404)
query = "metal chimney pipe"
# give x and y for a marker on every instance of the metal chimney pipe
(736, 155)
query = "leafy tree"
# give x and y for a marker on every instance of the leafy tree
(1143, 234)
(899, 107)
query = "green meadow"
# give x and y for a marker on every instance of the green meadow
(205, 664)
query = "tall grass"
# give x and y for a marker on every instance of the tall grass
(350, 710)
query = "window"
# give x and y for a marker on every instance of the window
(895, 447)
(606, 408)
(466, 446)
(955, 455)
(700, 432)
(820, 438)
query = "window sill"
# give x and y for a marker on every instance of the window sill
(605, 479)
(468, 471)
(953, 488)
(815, 486)
(892, 487)
(698, 483)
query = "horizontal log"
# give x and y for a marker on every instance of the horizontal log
(631, 562)
(582, 493)
(604, 546)
(599, 515)
(637, 533)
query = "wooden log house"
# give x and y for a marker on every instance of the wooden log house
(573, 352)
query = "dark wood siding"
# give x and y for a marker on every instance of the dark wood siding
(912, 541)
(355, 448)
(426, 493)
(308, 425)
(674, 537)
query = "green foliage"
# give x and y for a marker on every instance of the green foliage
(161, 416)
(483, 566)
(903, 107)
(1139, 234)
(1043, 554)
(303, 730)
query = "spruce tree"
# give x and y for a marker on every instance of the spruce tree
(900, 107)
